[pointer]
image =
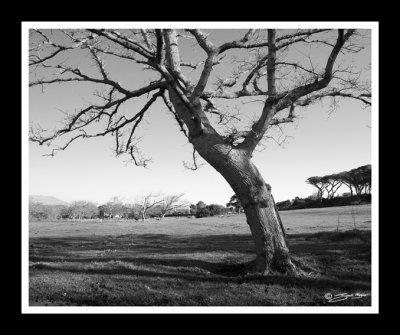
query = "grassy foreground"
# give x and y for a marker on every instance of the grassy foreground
(187, 262)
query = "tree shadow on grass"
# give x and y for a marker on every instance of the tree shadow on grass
(169, 256)
(282, 280)
(146, 243)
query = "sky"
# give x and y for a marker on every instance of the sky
(318, 143)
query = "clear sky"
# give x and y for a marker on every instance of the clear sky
(319, 143)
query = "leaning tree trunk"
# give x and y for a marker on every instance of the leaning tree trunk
(272, 253)
(262, 217)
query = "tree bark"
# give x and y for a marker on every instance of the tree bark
(272, 253)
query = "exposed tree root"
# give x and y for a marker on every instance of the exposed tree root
(288, 266)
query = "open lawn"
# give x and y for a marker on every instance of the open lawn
(198, 262)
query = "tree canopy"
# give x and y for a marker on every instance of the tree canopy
(358, 179)
(255, 61)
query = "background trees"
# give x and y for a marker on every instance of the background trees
(116, 208)
(357, 180)
(145, 202)
(202, 210)
(235, 202)
(193, 209)
(65, 212)
(111, 209)
(75, 210)
(38, 211)
(332, 183)
(319, 183)
(216, 209)
(83, 210)
(171, 202)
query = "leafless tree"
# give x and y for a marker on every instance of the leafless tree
(171, 202)
(265, 65)
(145, 202)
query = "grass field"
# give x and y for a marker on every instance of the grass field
(198, 262)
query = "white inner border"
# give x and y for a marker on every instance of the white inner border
(374, 308)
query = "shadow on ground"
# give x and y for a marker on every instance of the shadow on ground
(333, 259)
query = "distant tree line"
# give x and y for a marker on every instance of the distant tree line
(142, 208)
(146, 206)
(76, 210)
(201, 210)
(358, 181)
(152, 205)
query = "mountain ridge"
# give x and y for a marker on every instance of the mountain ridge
(46, 199)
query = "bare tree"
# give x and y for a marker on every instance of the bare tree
(265, 65)
(145, 202)
(171, 202)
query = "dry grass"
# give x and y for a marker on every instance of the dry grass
(188, 262)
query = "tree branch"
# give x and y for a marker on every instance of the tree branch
(300, 91)
(95, 112)
(275, 103)
(195, 166)
(204, 43)
(160, 45)
(301, 36)
(125, 42)
(177, 118)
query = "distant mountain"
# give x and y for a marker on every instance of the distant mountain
(46, 200)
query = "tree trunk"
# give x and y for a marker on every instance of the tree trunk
(265, 226)
(272, 253)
